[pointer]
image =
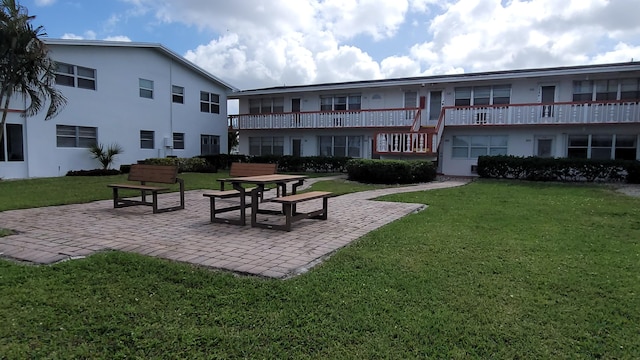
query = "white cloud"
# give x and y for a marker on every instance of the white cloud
(88, 35)
(259, 44)
(118, 38)
(45, 2)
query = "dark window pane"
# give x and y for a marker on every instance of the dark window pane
(577, 153)
(86, 84)
(15, 150)
(64, 80)
(625, 154)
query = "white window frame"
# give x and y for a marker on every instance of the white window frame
(343, 102)
(473, 92)
(73, 136)
(209, 102)
(178, 141)
(475, 144)
(147, 139)
(177, 94)
(12, 143)
(266, 145)
(146, 88)
(603, 89)
(590, 147)
(353, 145)
(76, 76)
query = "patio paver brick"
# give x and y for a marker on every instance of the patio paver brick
(51, 234)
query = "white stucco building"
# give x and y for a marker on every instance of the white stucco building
(580, 111)
(144, 97)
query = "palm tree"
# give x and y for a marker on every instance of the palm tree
(25, 65)
(105, 157)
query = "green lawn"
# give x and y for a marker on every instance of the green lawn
(490, 270)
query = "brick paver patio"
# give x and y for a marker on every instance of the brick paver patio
(51, 234)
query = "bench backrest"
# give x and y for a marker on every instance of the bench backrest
(252, 169)
(166, 174)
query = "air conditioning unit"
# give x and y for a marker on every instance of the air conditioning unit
(474, 169)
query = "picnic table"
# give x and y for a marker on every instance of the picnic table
(288, 201)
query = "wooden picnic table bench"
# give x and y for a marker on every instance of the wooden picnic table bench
(237, 170)
(156, 174)
(289, 208)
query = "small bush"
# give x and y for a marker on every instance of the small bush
(556, 169)
(94, 172)
(390, 171)
(194, 164)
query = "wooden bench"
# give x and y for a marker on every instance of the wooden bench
(237, 170)
(289, 208)
(226, 194)
(158, 174)
(249, 169)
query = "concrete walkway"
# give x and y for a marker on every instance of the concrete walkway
(52, 234)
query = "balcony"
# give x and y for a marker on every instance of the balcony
(541, 114)
(326, 119)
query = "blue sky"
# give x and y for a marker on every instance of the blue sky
(260, 43)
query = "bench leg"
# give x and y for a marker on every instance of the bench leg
(181, 194)
(115, 197)
(154, 195)
(288, 216)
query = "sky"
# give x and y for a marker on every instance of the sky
(262, 43)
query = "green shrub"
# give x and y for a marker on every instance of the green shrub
(390, 171)
(194, 164)
(93, 172)
(555, 169)
(633, 172)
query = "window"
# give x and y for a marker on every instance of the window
(266, 145)
(14, 145)
(209, 145)
(178, 141)
(76, 76)
(209, 102)
(483, 95)
(626, 147)
(340, 146)
(603, 90)
(597, 146)
(76, 136)
(473, 146)
(340, 102)
(606, 90)
(146, 88)
(266, 105)
(146, 139)
(630, 89)
(177, 94)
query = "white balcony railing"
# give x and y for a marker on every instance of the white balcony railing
(403, 143)
(534, 114)
(325, 119)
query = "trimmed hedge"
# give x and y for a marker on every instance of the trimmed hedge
(94, 172)
(286, 163)
(194, 164)
(558, 169)
(390, 171)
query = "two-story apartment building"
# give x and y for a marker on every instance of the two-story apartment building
(588, 111)
(144, 97)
